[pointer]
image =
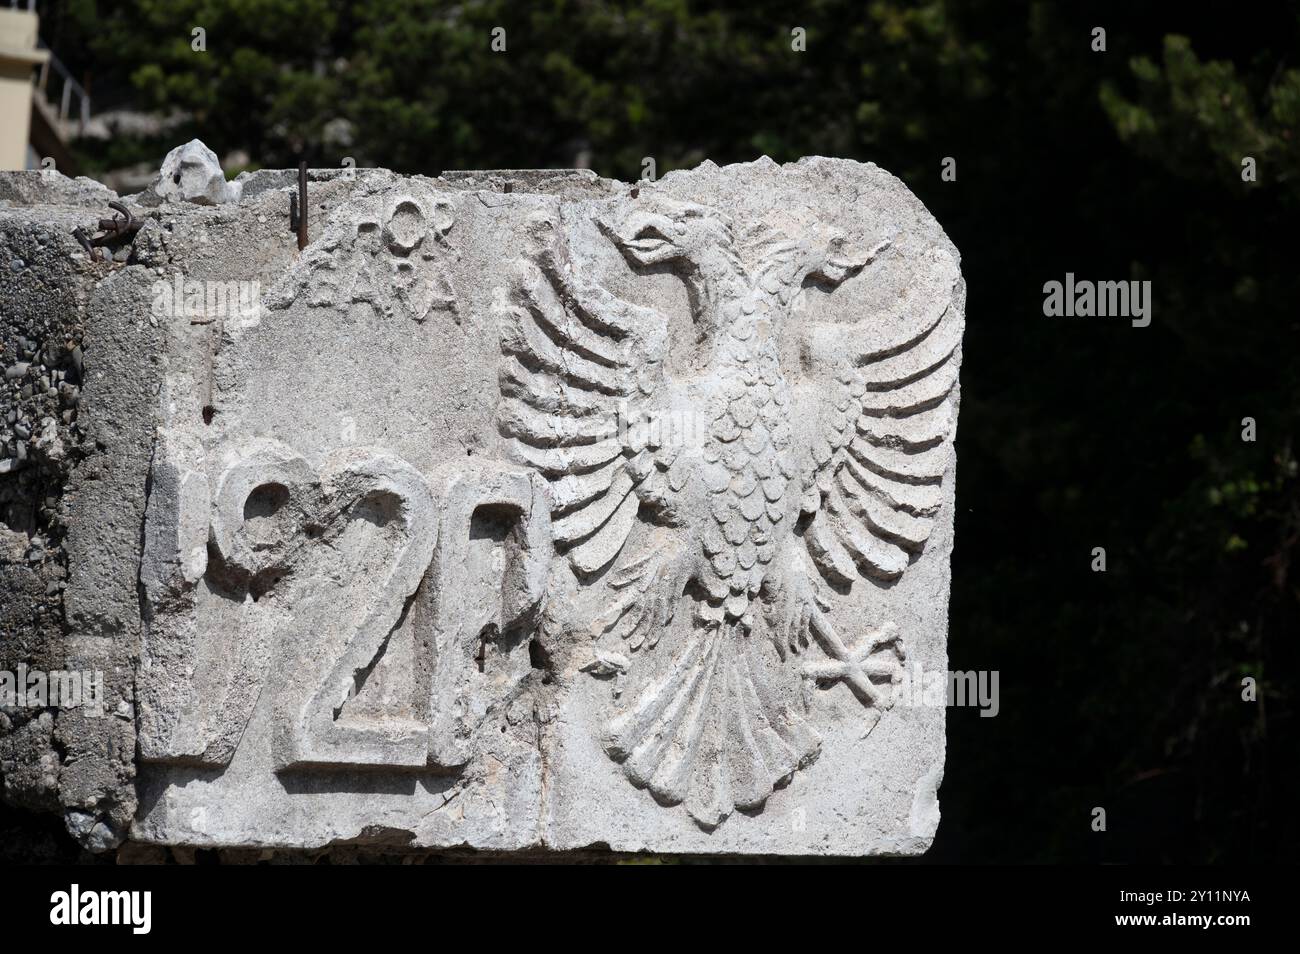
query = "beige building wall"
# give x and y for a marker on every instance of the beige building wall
(18, 54)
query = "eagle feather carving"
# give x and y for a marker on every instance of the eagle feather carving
(774, 495)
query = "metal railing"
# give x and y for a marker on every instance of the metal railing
(69, 90)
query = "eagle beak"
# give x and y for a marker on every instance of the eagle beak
(842, 260)
(645, 237)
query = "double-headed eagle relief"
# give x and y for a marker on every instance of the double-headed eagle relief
(519, 487)
(740, 493)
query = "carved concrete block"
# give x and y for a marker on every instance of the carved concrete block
(529, 509)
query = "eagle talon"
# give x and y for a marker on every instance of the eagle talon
(657, 586)
(855, 667)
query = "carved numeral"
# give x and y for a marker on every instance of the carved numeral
(488, 577)
(379, 542)
(323, 592)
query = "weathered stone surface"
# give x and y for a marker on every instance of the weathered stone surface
(76, 435)
(51, 188)
(521, 509)
(191, 173)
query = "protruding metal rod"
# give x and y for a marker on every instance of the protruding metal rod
(209, 410)
(80, 236)
(302, 206)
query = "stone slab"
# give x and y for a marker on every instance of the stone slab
(527, 509)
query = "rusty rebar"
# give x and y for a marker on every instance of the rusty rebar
(79, 234)
(114, 232)
(302, 205)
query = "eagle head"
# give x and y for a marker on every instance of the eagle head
(651, 230)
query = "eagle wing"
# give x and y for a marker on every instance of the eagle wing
(873, 477)
(579, 370)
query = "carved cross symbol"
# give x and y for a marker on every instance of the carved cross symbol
(855, 667)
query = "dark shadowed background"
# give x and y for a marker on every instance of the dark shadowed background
(1121, 689)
